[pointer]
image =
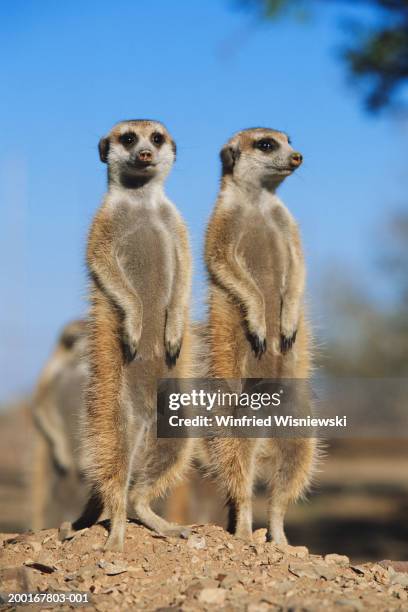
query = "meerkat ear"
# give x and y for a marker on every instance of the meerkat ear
(103, 148)
(174, 147)
(229, 156)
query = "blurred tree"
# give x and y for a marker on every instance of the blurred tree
(379, 55)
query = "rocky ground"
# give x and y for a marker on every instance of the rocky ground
(207, 571)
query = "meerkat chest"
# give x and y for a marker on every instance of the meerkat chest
(262, 244)
(145, 251)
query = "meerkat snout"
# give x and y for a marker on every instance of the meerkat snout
(145, 156)
(296, 159)
(137, 151)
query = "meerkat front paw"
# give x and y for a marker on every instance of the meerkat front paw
(258, 344)
(172, 353)
(288, 328)
(130, 337)
(286, 342)
(172, 341)
(256, 335)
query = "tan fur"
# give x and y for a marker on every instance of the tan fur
(140, 265)
(58, 487)
(257, 327)
(46, 411)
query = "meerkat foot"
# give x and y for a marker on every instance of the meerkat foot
(258, 344)
(176, 531)
(276, 531)
(153, 521)
(279, 538)
(240, 519)
(243, 533)
(287, 342)
(115, 541)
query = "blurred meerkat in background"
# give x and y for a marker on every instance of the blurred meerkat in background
(140, 268)
(257, 328)
(58, 490)
(49, 414)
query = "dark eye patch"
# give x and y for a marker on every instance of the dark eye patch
(157, 139)
(128, 139)
(266, 145)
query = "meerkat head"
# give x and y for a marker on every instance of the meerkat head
(72, 332)
(259, 156)
(137, 151)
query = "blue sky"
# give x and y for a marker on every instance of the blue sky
(71, 69)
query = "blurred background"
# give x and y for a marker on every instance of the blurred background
(334, 76)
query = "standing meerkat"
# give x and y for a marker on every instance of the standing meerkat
(257, 327)
(139, 263)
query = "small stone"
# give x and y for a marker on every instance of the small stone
(114, 568)
(44, 568)
(337, 559)
(398, 577)
(304, 570)
(325, 570)
(36, 546)
(299, 551)
(212, 596)
(259, 536)
(197, 542)
(294, 551)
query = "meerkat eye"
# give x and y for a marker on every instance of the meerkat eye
(157, 138)
(266, 145)
(127, 139)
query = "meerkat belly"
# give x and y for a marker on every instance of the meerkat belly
(146, 255)
(262, 252)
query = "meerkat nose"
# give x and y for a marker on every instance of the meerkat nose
(145, 155)
(296, 159)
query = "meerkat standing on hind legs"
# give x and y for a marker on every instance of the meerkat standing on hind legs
(140, 268)
(257, 328)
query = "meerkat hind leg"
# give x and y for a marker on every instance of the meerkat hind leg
(117, 507)
(150, 519)
(292, 464)
(163, 464)
(233, 459)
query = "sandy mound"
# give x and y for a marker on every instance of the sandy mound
(207, 571)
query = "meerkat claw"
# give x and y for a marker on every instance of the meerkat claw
(129, 352)
(286, 343)
(258, 345)
(172, 354)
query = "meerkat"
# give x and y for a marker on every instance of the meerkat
(256, 326)
(47, 410)
(58, 489)
(139, 263)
